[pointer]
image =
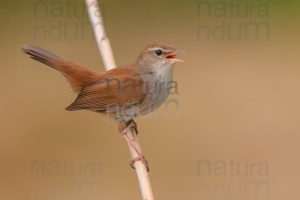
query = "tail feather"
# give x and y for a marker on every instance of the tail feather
(75, 74)
(41, 55)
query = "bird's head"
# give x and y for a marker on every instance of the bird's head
(158, 55)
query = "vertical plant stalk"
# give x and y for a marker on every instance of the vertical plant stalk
(109, 63)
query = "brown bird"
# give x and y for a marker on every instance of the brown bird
(122, 93)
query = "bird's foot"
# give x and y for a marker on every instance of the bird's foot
(126, 126)
(142, 159)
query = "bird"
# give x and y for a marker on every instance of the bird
(122, 93)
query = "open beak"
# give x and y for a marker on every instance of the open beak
(172, 57)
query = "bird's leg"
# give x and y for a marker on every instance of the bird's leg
(124, 127)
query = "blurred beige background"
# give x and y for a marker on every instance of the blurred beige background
(237, 133)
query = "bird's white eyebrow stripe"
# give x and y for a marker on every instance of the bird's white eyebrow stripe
(155, 48)
(159, 48)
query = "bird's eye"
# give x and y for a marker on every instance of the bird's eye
(158, 52)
